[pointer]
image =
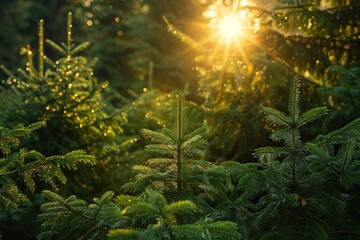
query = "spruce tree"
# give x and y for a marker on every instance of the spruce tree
(65, 93)
(302, 190)
(149, 215)
(181, 157)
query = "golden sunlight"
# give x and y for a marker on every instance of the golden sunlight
(232, 22)
(230, 27)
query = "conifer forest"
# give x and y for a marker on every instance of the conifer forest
(180, 119)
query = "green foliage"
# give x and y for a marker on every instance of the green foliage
(64, 93)
(290, 125)
(73, 218)
(343, 94)
(299, 189)
(306, 189)
(148, 216)
(297, 27)
(10, 137)
(278, 39)
(315, 188)
(179, 162)
(16, 20)
(21, 170)
(135, 31)
(153, 208)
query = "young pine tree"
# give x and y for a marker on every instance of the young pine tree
(162, 220)
(65, 94)
(148, 216)
(297, 191)
(62, 92)
(176, 170)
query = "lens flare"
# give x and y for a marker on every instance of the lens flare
(230, 27)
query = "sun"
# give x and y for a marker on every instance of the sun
(233, 22)
(230, 27)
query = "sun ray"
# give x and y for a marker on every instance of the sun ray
(230, 27)
(233, 24)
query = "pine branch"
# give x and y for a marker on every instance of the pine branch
(30, 165)
(152, 206)
(312, 115)
(71, 216)
(275, 116)
(181, 153)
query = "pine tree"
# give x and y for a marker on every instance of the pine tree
(291, 129)
(153, 206)
(30, 166)
(300, 190)
(126, 217)
(181, 153)
(66, 94)
(135, 31)
(74, 218)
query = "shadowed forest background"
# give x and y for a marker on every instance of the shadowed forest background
(193, 119)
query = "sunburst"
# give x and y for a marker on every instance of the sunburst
(231, 27)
